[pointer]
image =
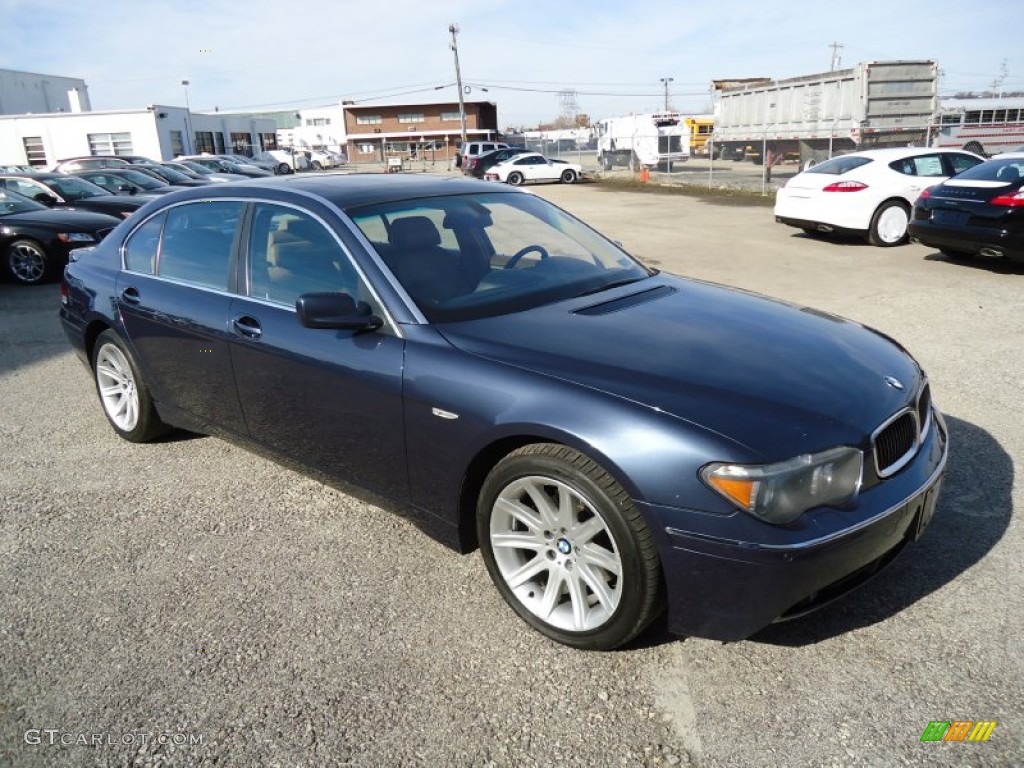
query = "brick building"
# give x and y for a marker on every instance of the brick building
(415, 131)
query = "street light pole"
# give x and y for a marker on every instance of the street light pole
(454, 29)
(189, 146)
(665, 81)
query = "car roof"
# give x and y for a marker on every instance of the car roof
(894, 152)
(349, 190)
(44, 176)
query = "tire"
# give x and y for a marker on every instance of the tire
(975, 147)
(515, 178)
(317, 165)
(123, 393)
(567, 549)
(889, 224)
(284, 168)
(568, 176)
(28, 263)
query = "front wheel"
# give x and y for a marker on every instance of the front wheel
(568, 176)
(515, 178)
(567, 549)
(27, 262)
(889, 225)
(283, 168)
(123, 393)
(317, 165)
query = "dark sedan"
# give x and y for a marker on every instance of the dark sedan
(170, 175)
(128, 181)
(35, 241)
(477, 166)
(979, 212)
(59, 190)
(615, 440)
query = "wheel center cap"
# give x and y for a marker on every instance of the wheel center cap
(564, 546)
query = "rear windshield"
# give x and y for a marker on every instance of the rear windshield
(1007, 169)
(837, 166)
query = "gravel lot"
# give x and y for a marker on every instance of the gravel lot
(193, 589)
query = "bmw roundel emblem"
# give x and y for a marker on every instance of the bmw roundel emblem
(564, 546)
(893, 382)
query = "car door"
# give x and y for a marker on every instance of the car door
(535, 168)
(918, 173)
(332, 399)
(173, 300)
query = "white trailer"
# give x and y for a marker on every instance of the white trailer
(875, 104)
(649, 140)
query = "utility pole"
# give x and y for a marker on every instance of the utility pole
(666, 81)
(837, 58)
(454, 29)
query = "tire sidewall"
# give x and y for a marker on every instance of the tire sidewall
(568, 176)
(148, 425)
(515, 179)
(873, 235)
(622, 625)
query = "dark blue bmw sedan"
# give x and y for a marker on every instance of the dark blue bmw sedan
(618, 442)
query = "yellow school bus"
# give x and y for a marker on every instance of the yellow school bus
(700, 127)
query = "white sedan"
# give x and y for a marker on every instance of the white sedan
(533, 167)
(868, 193)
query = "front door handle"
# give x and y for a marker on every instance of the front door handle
(248, 326)
(131, 296)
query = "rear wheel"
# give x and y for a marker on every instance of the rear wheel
(568, 176)
(515, 178)
(889, 224)
(124, 395)
(317, 165)
(567, 549)
(27, 262)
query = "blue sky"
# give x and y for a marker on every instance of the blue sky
(267, 53)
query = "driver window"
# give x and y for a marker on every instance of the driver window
(291, 253)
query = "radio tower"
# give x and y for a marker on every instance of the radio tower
(568, 105)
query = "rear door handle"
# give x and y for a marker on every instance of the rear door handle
(131, 296)
(248, 326)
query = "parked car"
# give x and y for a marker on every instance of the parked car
(867, 194)
(479, 165)
(127, 181)
(243, 160)
(226, 166)
(35, 241)
(322, 159)
(17, 169)
(616, 440)
(533, 167)
(59, 190)
(285, 161)
(171, 176)
(473, 148)
(72, 164)
(198, 171)
(979, 212)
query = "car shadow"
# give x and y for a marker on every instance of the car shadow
(973, 514)
(995, 265)
(833, 238)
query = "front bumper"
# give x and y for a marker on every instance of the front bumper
(725, 589)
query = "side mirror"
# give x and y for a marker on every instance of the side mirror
(45, 199)
(335, 310)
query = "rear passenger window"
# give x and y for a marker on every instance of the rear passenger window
(198, 241)
(961, 163)
(141, 249)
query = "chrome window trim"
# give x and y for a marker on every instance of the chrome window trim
(388, 317)
(907, 457)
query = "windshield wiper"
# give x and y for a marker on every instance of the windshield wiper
(607, 286)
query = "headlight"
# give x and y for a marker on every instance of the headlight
(780, 493)
(75, 237)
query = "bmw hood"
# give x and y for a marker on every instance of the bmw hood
(777, 378)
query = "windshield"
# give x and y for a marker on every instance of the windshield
(141, 179)
(196, 167)
(74, 188)
(471, 256)
(1005, 169)
(168, 174)
(12, 202)
(837, 166)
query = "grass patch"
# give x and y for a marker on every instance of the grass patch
(712, 195)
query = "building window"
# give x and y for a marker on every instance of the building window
(219, 139)
(411, 117)
(268, 141)
(34, 150)
(318, 121)
(204, 142)
(240, 144)
(398, 147)
(451, 117)
(177, 144)
(367, 149)
(368, 120)
(110, 144)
